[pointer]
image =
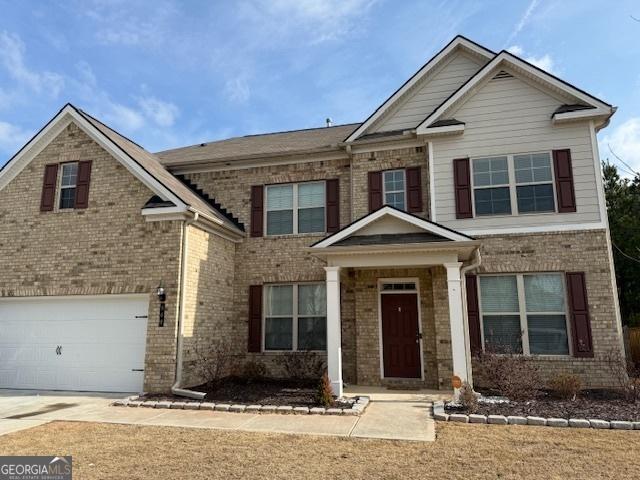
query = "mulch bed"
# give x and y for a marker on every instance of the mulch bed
(594, 404)
(263, 392)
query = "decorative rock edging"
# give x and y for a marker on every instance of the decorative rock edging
(358, 407)
(440, 415)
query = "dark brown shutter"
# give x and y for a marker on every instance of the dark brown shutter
(579, 311)
(333, 205)
(255, 318)
(414, 190)
(564, 181)
(49, 187)
(257, 210)
(82, 184)
(462, 187)
(375, 191)
(473, 314)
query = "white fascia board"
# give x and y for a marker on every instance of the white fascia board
(566, 227)
(163, 211)
(516, 62)
(580, 115)
(386, 210)
(457, 42)
(444, 130)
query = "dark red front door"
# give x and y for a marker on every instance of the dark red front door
(400, 347)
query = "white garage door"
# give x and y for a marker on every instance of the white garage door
(73, 343)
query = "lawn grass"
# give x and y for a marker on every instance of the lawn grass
(103, 451)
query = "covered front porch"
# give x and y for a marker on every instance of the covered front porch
(396, 303)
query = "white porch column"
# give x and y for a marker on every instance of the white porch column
(456, 320)
(334, 329)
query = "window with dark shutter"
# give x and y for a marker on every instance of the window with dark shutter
(333, 205)
(82, 184)
(375, 191)
(255, 318)
(564, 181)
(462, 188)
(579, 311)
(49, 187)
(473, 314)
(257, 210)
(414, 190)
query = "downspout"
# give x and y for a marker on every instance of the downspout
(467, 342)
(175, 389)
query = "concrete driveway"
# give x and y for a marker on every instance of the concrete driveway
(391, 415)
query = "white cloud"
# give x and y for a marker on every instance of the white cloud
(122, 117)
(162, 113)
(237, 90)
(12, 137)
(12, 58)
(624, 140)
(524, 20)
(545, 62)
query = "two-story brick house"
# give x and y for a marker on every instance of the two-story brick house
(466, 212)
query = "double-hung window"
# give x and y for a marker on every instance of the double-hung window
(524, 313)
(534, 182)
(68, 183)
(295, 317)
(295, 208)
(393, 182)
(491, 186)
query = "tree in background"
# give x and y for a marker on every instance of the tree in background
(623, 204)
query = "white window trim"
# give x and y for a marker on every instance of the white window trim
(60, 187)
(524, 325)
(416, 292)
(295, 207)
(294, 317)
(513, 185)
(403, 191)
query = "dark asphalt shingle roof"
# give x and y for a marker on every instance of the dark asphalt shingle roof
(390, 239)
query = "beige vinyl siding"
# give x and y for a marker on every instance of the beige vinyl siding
(430, 93)
(510, 116)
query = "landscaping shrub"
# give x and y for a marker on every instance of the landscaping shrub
(625, 374)
(513, 376)
(213, 362)
(565, 386)
(253, 371)
(302, 366)
(325, 391)
(468, 398)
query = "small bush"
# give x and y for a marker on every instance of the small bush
(325, 391)
(213, 362)
(253, 371)
(512, 376)
(305, 366)
(565, 386)
(468, 398)
(625, 374)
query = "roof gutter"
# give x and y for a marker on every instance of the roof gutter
(176, 388)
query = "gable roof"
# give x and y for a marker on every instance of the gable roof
(431, 231)
(142, 164)
(592, 106)
(459, 42)
(279, 143)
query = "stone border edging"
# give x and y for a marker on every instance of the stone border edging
(440, 415)
(357, 409)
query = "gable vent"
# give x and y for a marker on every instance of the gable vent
(502, 74)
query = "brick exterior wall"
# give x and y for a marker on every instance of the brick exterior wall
(107, 248)
(579, 251)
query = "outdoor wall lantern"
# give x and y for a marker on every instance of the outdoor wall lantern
(162, 297)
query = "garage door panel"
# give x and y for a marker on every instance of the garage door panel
(73, 343)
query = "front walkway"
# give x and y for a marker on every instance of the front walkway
(398, 415)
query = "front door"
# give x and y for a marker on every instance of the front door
(400, 335)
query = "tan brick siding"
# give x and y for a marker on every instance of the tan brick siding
(107, 248)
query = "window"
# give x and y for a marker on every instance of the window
(393, 182)
(524, 181)
(295, 317)
(491, 186)
(524, 314)
(534, 181)
(295, 208)
(68, 181)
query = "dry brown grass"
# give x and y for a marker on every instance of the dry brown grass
(103, 451)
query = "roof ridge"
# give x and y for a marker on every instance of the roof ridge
(298, 130)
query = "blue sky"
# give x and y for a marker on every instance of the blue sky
(172, 73)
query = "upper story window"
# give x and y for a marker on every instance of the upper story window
(524, 313)
(68, 184)
(394, 188)
(295, 208)
(512, 184)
